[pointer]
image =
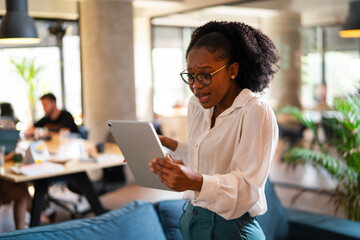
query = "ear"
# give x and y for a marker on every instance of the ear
(234, 69)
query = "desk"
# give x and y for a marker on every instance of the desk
(74, 169)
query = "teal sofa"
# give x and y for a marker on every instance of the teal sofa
(159, 221)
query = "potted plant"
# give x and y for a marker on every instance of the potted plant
(28, 72)
(339, 155)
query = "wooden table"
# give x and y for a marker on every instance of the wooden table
(74, 169)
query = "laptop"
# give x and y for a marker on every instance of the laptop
(9, 138)
(139, 144)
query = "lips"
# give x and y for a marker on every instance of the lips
(202, 97)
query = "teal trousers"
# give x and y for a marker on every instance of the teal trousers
(198, 223)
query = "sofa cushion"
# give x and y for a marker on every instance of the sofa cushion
(133, 221)
(307, 225)
(274, 222)
(169, 212)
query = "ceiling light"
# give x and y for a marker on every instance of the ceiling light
(16, 26)
(351, 27)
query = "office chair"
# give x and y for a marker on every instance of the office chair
(112, 179)
(293, 134)
(61, 184)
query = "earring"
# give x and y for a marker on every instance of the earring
(232, 77)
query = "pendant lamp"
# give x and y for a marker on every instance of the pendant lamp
(351, 27)
(16, 26)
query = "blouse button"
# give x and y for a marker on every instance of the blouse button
(195, 211)
(197, 145)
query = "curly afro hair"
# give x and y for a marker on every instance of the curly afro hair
(255, 53)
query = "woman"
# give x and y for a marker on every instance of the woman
(232, 133)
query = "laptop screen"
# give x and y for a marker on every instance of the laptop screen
(9, 138)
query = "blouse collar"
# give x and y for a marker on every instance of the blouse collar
(240, 101)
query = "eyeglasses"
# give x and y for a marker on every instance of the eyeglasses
(203, 78)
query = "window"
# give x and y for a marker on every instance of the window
(330, 65)
(15, 90)
(169, 46)
(72, 76)
(47, 56)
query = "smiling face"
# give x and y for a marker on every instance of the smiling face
(223, 90)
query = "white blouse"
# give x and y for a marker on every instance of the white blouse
(234, 156)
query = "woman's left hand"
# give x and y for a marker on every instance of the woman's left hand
(176, 175)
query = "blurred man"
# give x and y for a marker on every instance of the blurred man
(54, 119)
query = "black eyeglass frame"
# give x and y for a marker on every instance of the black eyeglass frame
(185, 75)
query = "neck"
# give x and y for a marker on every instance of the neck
(218, 109)
(55, 114)
(226, 103)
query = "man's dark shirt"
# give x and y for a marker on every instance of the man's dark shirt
(65, 120)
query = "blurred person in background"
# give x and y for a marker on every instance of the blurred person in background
(8, 119)
(54, 119)
(17, 193)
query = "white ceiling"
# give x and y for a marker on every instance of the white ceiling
(196, 12)
(312, 12)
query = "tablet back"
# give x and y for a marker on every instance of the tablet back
(139, 144)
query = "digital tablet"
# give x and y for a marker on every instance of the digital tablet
(139, 144)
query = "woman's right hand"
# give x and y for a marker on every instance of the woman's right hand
(176, 174)
(168, 142)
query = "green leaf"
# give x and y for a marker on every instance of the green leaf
(340, 155)
(28, 71)
(296, 112)
(334, 166)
